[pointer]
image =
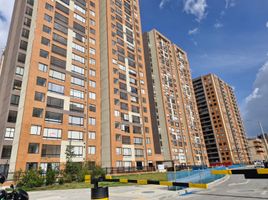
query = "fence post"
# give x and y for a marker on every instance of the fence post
(99, 193)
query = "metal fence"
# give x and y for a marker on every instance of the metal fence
(122, 170)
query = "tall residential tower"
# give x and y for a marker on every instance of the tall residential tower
(176, 126)
(221, 121)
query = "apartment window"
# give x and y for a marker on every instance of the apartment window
(6, 152)
(79, 18)
(78, 47)
(92, 108)
(31, 166)
(126, 140)
(23, 45)
(55, 102)
(52, 133)
(76, 107)
(19, 71)
(43, 53)
(92, 31)
(42, 67)
(46, 29)
(79, 37)
(77, 94)
(78, 70)
(137, 129)
(62, 18)
(21, 58)
(62, 8)
(79, 27)
(148, 140)
(92, 22)
(41, 81)
(53, 117)
(92, 84)
(75, 135)
(92, 61)
(67, 2)
(12, 116)
(58, 50)
(35, 130)
(77, 81)
(118, 151)
(76, 121)
(27, 22)
(92, 135)
(15, 99)
(25, 33)
(149, 152)
(56, 88)
(61, 28)
(138, 141)
(92, 72)
(80, 9)
(37, 112)
(117, 113)
(51, 151)
(60, 39)
(92, 121)
(92, 41)
(92, 150)
(39, 96)
(56, 75)
(78, 58)
(78, 151)
(45, 41)
(9, 134)
(58, 62)
(49, 7)
(139, 152)
(127, 151)
(33, 148)
(47, 18)
(92, 95)
(92, 51)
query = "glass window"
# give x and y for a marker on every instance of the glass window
(75, 135)
(37, 112)
(43, 53)
(91, 135)
(56, 88)
(33, 148)
(9, 134)
(78, 58)
(52, 133)
(19, 71)
(92, 121)
(47, 18)
(55, 102)
(92, 150)
(92, 95)
(41, 81)
(77, 94)
(77, 81)
(78, 70)
(92, 72)
(92, 84)
(78, 151)
(77, 121)
(39, 96)
(42, 67)
(35, 130)
(76, 107)
(53, 117)
(57, 75)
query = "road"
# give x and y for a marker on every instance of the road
(232, 188)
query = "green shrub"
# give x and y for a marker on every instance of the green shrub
(31, 179)
(97, 172)
(82, 173)
(51, 177)
(61, 181)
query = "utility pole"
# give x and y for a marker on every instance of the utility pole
(265, 141)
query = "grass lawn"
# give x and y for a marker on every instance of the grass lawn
(75, 185)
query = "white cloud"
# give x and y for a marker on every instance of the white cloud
(163, 3)
(230, 3)
(196, 8)
(266, 24)
(5, 18)
(193, 31)
(256, 104)
(218, 25)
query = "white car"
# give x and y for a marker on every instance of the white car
(258, 164)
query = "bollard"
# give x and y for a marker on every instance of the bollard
(100, 193)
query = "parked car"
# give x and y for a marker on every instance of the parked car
(258, 164)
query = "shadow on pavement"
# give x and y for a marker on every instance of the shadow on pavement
(228, 195)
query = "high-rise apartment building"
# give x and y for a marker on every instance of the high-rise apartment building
(126, 125)
(257, 150)
(74, 75)
(50, 84)
(221, 121)
(176, 126)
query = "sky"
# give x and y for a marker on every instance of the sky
(225, 37)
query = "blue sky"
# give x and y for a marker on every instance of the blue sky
(225, 37)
